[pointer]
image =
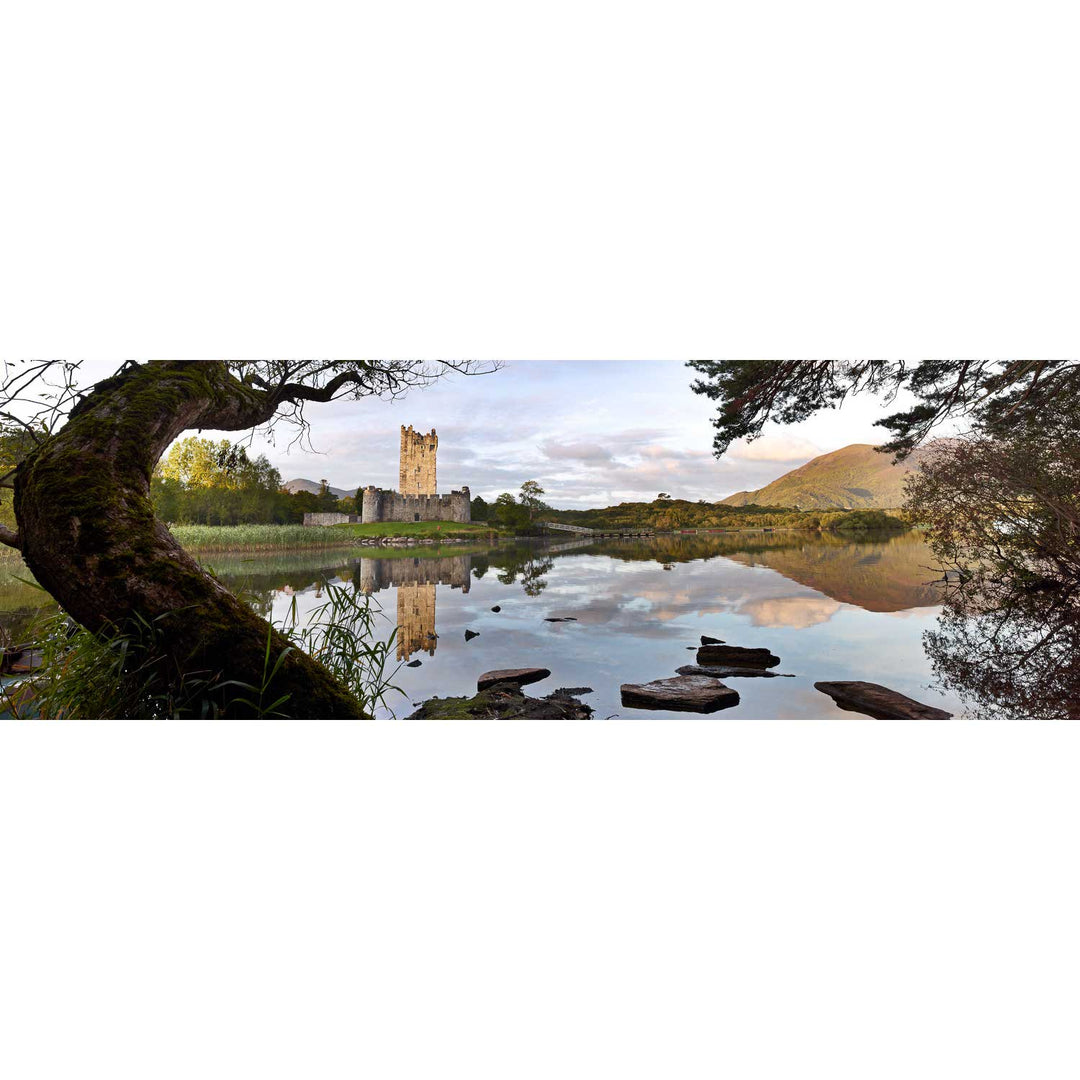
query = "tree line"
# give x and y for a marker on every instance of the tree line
(203, 482)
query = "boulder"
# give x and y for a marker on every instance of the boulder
(496, 608)
(521, 676)
(685, 693)
(879, 701)
(711, 640)
(504, 701)
(470, 634)
(731, 672)
(734, 656)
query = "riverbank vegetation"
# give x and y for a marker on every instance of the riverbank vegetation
(270, 538)
(665, 514)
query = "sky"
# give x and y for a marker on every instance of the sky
(592, 433)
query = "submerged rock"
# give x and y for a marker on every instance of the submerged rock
(414, 663)
(731, 671)
(568, 618)
(518, 676)
(496, 608)
(504, 701)
(685, 693)
(733, 655)
(879, 701)
(470, 634)
(573, 691)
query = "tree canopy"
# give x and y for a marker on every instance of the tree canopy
(991, 394)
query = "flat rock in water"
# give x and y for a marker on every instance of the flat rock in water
(733, 655)
(572, 691)
(569, 618)
(470, 634)
(520, 676)
(496, 608)
(504, 701)
(879, 701)
(685, 693)
(731, 672)
(414, 663)
(711, 640)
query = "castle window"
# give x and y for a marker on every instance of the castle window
(416, 517)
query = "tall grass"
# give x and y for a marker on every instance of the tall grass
(257, 537)
(250, 538)
(123, 674)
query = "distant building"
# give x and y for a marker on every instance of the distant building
(417, 500)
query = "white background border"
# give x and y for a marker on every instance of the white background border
(585, 180)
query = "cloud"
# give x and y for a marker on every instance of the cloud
(792, 611)
(591, 434)
(581, 451)
(787, 448)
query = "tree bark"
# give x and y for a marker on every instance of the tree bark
(88, 532)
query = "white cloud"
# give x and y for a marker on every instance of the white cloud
(791, 449)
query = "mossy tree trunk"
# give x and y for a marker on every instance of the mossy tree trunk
(87, 531)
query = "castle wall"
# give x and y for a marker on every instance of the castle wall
(330, 519)
(379, 505)
(416, 471)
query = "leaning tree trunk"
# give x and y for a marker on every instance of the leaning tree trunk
(87, 531)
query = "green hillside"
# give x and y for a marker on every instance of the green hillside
(854, 477)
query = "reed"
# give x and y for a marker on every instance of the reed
(258, 537)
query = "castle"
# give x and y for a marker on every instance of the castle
(415, 580)
(416, 499)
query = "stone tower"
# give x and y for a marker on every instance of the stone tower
(417, 476)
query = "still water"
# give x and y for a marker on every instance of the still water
(831, 609)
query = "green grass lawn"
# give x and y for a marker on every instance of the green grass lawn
(438, 530)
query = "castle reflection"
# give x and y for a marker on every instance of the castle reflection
(415, 580)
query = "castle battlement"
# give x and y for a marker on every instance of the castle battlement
(417, 497)
(416, 475)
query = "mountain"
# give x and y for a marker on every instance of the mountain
(855, 476)
(293, 486)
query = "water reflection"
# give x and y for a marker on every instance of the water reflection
(832, 608)
(1011, 648)
(415, 580)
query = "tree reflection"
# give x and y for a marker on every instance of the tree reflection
(1012, 652)
(530, 569)
(1003, 511)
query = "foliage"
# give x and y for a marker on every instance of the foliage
(529, 497)
(1003, 513)
(200, 482)
(342, 635)
(867, 521)
(257, 537)
(993, 394)
(667, 514)
(114, 674)
(509, 514)
(479, 509)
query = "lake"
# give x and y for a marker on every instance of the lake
(830, 608)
